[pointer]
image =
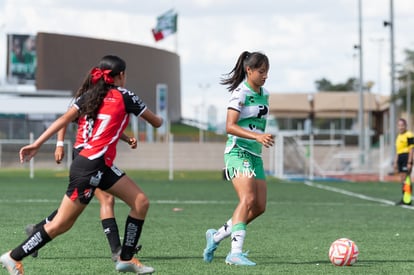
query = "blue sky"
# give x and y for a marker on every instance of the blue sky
(304, 40)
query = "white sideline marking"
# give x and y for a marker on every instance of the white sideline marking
(355, 195)
(207, 202)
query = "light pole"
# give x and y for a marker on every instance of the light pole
(409, 98)
(392, 121)
(361, 89)
(311, 136)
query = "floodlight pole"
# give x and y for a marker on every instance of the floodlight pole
(392, 121)
(311, 118)
(409, 99)
(361, 123)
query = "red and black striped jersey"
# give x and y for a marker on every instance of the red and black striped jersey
(100, 137)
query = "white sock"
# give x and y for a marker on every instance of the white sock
(223, 232)
(237, 240)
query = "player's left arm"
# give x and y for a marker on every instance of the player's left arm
(134, 105)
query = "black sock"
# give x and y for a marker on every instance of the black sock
(133, 228)
(34, 242)
(48, 219)
(110, 229)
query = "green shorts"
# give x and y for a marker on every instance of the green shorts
(241, 163)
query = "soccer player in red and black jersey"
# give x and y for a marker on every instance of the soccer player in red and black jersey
(106, 200)
(106, 108)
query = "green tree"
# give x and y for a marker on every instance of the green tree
(406, 70)
(324, 85)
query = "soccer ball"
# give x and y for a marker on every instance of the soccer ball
(343, 252)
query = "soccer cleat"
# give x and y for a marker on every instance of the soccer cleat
(13, 267)
(238, 259)
(116, 254)
(211, 246)
(133, 265)
(30, 228)
(401, 202)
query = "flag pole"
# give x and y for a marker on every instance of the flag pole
(176, 42)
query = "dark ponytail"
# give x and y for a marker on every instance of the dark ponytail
(94, 90)
(252, 60)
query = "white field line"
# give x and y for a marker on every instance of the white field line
(352, 194)
(208, 202)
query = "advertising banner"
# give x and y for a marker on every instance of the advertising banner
(162, 107)
(21, 52)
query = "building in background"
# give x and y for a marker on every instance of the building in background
(44, 83)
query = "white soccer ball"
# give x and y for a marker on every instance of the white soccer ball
(343, 252)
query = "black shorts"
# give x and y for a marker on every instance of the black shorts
(402, 162)
(86, 175)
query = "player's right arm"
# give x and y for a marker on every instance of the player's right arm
(29, 151)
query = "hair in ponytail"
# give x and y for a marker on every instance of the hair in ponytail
(98, 82)
(252, 60)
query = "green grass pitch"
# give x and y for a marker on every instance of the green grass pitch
(292, 237)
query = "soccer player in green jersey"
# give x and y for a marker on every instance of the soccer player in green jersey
(247, 112)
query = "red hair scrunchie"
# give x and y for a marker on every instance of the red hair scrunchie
(98, 73)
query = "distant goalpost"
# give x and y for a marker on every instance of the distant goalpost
(293, 157)
(9, 155)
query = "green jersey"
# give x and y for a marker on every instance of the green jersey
(253, 108)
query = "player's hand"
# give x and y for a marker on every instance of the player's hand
(266, 139)
(133, 142)
(59, 154)
(28, 152)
